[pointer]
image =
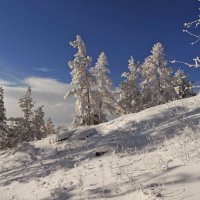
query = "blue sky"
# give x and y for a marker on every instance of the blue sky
(35, 34)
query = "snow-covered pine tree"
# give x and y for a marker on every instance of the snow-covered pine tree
(166, 89)
(129, 92)
(157, 84)
(104, 97)
(183, 87)
(50, 127)
(38, 125)
(149, 84)
(82, 81)
(15, 131)
(26, 104)
(4, 139)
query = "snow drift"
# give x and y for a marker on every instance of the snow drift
(153, 154)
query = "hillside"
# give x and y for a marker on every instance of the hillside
(153, 154)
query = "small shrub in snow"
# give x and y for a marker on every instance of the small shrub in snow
(183, 147)
(50, 128)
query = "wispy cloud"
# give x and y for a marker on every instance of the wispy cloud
(43, 69)
(46, 91)
(6, 72)
(6, 83)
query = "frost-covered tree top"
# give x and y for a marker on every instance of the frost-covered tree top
(80, 64)
(101, 70)
(158, 55)
(153, 64)
(80, 45)
(102, 63)
(132, 74)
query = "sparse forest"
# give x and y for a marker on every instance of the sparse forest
(146, 84)
(30, 126)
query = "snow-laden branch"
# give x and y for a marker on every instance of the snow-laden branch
(196, 63)
(188, 25)
(195, 22)
(194, 35)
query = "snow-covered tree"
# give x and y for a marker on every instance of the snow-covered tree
(50, 127)
(165, 77)
(130, 98)
(16, 130)
(157, 84)
(166, 85)
(4, 140)
(82, 81)
(28, 127)
(103, 92)
(26, 104)
(38, 128)
(183, 87)
(150, 84)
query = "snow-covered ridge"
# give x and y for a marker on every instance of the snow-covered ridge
(153, 154)
(159, 122)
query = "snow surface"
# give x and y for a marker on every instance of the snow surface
(150, 155)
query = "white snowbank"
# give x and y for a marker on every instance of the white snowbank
(150, 155)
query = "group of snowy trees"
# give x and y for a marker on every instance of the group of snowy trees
(26, 128)
(92, 87)
(145, 85)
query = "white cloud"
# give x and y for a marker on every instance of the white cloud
(6, 83)
(44, 69)
(46, 91)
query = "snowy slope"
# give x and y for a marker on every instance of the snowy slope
(153, 154)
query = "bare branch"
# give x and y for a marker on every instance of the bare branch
(195, 65)
(188, 25)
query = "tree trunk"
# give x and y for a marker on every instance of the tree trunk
(89, 107)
